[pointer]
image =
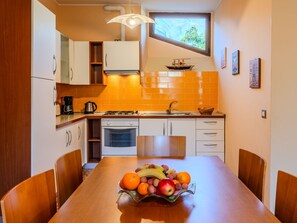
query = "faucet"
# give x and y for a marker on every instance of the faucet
(169, 110)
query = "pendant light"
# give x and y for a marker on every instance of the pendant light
(131, 20)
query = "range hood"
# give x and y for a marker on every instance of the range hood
(121, 57)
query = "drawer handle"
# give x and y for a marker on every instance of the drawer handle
(210, 145)
(210, 122)
(210, 133)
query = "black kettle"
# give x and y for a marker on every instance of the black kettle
(90, 107)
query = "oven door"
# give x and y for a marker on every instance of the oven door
(119, 141)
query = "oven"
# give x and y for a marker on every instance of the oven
(119, 136)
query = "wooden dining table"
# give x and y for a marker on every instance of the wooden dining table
(219, 196)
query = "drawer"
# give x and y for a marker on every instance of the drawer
(220, 155)
(209, 123)
(210, 134)
(210, 146)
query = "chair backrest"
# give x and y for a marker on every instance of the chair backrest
(33, 200)
(68, 175)
(165, 146)
(251, 171)
(286, 198)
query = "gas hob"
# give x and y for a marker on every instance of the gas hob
(121, 113)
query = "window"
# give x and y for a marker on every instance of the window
(187, 30)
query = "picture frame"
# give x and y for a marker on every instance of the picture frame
(235, 62)
(255, 73)
(223, 57)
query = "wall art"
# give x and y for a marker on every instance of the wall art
(235, 62)
(223, 57)
(255, 73)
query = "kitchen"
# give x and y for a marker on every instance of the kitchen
(236, 26)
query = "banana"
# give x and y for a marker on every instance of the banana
(147, 166)
(151, 172)
(170, 171)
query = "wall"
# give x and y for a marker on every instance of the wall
(246, 26)
(284, 91)
(153, 91)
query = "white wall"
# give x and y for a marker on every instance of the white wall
(284, 90)
(246, 26)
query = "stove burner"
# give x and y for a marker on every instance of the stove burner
(121, 113)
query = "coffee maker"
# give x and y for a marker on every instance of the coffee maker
(67, 105)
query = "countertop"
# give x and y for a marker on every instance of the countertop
(64, 120)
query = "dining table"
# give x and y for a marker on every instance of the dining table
(219, 196)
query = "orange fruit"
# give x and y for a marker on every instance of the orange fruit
(122, 184)
(175, 181)
(183, 177)
(143, 188)
(131, 181)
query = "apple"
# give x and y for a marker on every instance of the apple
(166, 187)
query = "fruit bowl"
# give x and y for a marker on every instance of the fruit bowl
(138, 198)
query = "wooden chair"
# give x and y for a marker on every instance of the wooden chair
(164, 146)
(286, 198)
(33, 200)
(251, 171)
(68, 175)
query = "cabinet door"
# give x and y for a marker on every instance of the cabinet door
(81, 138)
(71, 61)
(121, 55)
(43, 42)
(65, 73)
(153, 127)
(81, 74)
(43, 125)
(184, 127)
(58, 57)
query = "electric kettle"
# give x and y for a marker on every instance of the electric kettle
(90, 107)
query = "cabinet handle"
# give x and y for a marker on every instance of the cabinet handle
(70, 141)
(55, 64)
(210, 133)
(79, 132)
(54, 95)
(210, 145)
(106, 60)
(163, 128)
(210, 122)
(71, 71)
(67, 138)
(171, 128)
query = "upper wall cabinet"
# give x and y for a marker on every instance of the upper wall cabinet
(121, 56)
(43, 42)
(74, 61)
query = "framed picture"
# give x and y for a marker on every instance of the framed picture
(223, 57)
(235, 62)
(255, 73)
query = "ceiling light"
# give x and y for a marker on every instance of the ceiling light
(131, 20)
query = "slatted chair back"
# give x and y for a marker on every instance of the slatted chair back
(251, 171)
(33, 200)
(68, 175)
(163, 146)
(286, 198)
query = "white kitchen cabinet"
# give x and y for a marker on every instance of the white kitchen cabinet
(74, 61)
(174, 127)
(58, 56)
(43, 89)
(121, 56)
(43, 42)
(210, 137)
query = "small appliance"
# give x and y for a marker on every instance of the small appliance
(90, 107)
(67, 105)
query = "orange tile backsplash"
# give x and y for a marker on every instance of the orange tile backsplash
(150, 91)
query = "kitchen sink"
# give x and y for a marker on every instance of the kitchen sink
(166, 114)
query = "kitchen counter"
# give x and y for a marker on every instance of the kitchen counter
(64, 120)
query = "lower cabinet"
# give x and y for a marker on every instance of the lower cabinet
(171, 127)
(210, 137)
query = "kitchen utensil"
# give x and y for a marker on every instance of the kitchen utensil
(90, 107)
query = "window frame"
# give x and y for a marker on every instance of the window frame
(207, 16)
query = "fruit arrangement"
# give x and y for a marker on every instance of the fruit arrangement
(154, 180)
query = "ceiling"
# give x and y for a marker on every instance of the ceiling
(156, 5)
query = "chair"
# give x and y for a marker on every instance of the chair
(251, 171)
(68, 175)
(286, 198)
(33, 200)
(164, 146)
